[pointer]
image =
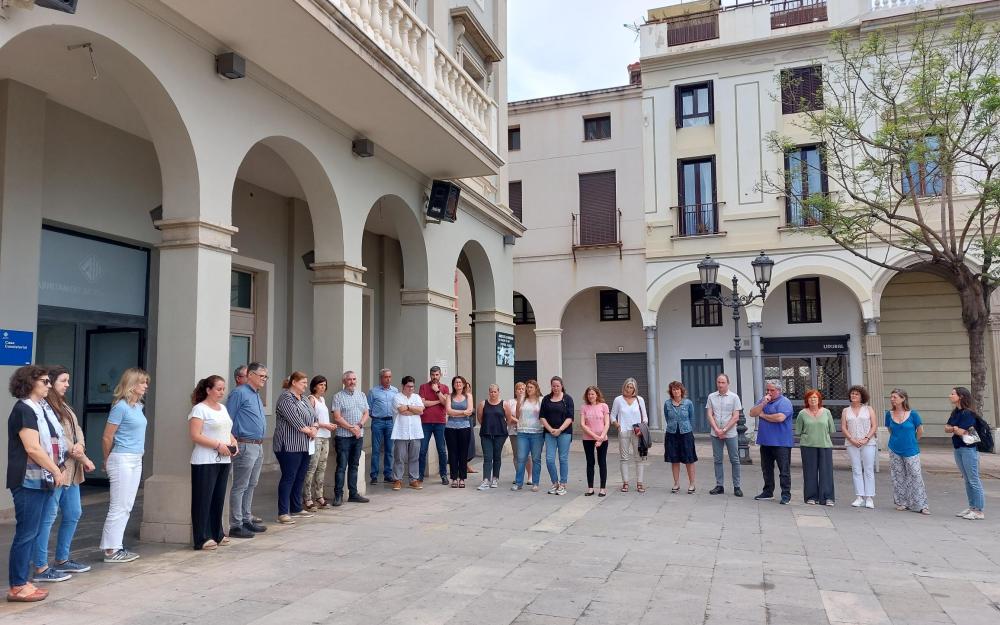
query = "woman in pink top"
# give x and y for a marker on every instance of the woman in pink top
(596, 420)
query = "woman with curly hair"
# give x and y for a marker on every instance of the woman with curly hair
(678, 414)
(595, 423)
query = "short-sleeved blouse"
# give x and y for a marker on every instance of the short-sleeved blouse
(593, 417)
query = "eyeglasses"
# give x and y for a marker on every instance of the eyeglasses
(262, 376)
(45, 381)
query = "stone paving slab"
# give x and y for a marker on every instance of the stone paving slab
(446, 556)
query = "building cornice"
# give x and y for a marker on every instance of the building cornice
(185, 233)
(475, 32)
(427, 297)
(488, 211)
(338, 273)
(610, 94)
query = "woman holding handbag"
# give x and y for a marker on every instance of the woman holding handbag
(627, 412)
(964, 438)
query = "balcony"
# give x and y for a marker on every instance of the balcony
(896, 4)
(797, 12)
(695, 220)
(595, 231)
(374, 65)
(693, 27)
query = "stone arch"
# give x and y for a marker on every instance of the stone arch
(679, 275)
(392, 216)
(475, 261)
(827, 266)
(632, 297)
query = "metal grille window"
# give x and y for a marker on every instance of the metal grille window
(797, 374)
(514, 193)
(598, 208)
(806, 175)
(694, 105)
(801, 89)
(803, 301)
(614, 306)
(595, 128)
(523, 314)
(513, 138)
(704, 313)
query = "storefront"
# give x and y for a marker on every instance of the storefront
(803, 363)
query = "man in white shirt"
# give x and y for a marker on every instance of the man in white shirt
(407, 433)
(723, 409)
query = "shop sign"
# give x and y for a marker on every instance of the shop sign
(15, 347)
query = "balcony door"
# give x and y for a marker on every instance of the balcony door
(598, 209)
(697, 190)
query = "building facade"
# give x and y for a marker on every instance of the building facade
(156, 213)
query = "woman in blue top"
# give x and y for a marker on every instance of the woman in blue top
(123, 444)
(678, 412)
(905, 430)
(962, 419)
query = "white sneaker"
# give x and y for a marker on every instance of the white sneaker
(869, 503)
(484, 486)
(554, 489)
(561, 490)
(495, 483)
(516, 486)
(857, 503)
(963, 513)
(974, 515)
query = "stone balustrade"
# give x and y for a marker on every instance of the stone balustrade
(895, 4)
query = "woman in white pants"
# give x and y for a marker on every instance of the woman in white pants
(123, 444)
(627, 411)
(858, 425)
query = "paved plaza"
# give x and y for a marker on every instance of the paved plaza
(448, 556)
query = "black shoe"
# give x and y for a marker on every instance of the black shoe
(785, 500)
(357, 499)
(338, 501)
(718, 490)
(444, 481)
(374, 481)
(737, 492)
(763, 497)
(240, 532)
(257, 528)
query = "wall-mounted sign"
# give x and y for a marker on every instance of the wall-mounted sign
(15, 347)
(505, 349)
(806, 345)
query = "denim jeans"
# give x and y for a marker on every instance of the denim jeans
(528, 443)
(381, 448)
(731, 445)
(561, 444)
(437, 429)
(492, 452)
(348, 457)
(29, 507)
(294, 466)
(246, 472)
(67, 499)
(967, 459)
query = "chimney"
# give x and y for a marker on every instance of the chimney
(634, 74)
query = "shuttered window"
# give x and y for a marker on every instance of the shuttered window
(801, 89)
(614, 368)
(595, 128)
(514, 189)
(598, 208)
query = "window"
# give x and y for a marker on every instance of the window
(704, 313)
(923, 176)
(514, 193)
(241, 290)
(614, 306)
(696, 188)
(513, 138)
(806, 168)
(801, 89)
(595, 128)
(694, 105)
(803, 301)
(523, 314)
(598, 209)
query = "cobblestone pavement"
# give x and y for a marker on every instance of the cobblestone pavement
(449, 556)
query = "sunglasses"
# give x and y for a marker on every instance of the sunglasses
(45, 381)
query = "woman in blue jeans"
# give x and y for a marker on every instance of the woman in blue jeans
(556, 415)
(962, 419)
(529, 435)
(66, 498)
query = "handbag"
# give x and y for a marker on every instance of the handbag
(971, 437)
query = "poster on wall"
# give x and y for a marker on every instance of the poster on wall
(505, 349)
(15, 347)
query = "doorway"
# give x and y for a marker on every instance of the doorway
(108, 354)
(698, 377)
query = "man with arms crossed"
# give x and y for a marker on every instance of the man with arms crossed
(434, 393)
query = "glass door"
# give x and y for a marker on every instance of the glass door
(109, 354)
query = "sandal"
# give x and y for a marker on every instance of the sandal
(454, 483)
(624, 487)
(26, 594)
(901, 508)
(461, 483)
(322, 503)
(925, 511)
(691, 490)
(675, 489)
(639, 487)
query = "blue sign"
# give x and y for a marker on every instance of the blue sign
(15, 347)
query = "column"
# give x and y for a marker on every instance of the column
(22, 155)
(487, 324)
(192, 342)
(874, 380)
(653, 406)
(756, 360)
(995, 369)
(548, 347)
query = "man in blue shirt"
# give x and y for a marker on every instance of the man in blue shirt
(774, 435)
(382, 412)
(249, 425)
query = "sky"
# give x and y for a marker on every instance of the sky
(564, 46)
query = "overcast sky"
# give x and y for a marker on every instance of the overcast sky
(563, 46)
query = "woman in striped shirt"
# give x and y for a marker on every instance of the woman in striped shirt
(294, 425)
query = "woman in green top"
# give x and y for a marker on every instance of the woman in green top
(813, 427)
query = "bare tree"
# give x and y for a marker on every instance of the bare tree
(909, 129)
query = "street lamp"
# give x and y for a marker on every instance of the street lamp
(708, 272)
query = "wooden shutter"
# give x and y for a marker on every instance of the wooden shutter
(801, 89)
(598, 208)
(678, 107)
(514, 192)
(711, 102)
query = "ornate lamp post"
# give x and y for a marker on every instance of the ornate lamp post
(708, 271)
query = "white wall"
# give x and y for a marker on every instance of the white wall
(585, 335)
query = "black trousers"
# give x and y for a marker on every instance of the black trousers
(769, 455)
(602, 461)
(208, 497)
(817, 474)
(457, 440)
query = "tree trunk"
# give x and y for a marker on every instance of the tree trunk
(975, 318)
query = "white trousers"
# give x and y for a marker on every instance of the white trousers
(124, 473)
(628, 450)
(863, 469)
